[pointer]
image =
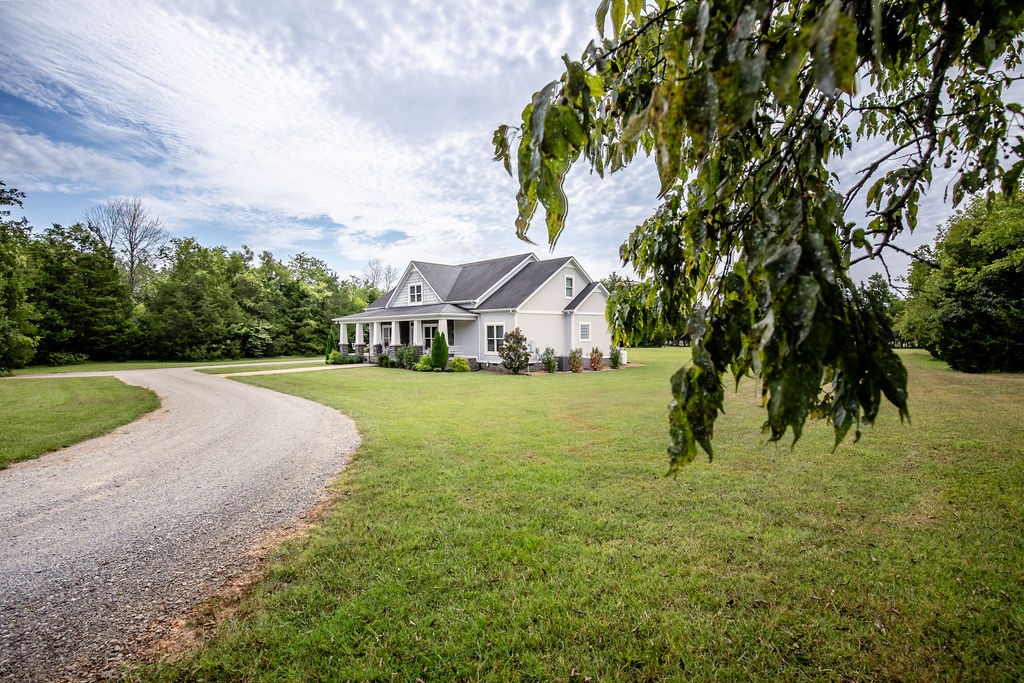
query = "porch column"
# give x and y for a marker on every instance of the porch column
(359, 336)
(442, 327)
(396, 335)
(417, 333)
(343, 337)
(374, 334)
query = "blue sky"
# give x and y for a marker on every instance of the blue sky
(351, 132)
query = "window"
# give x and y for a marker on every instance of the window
(415, 294)
(495, 337)
(568, 287)
(428, 335)
(385, 333)
(584, 332)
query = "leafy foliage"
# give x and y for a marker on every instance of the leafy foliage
(596, 359)
(424, 364)
(66, 291)
(438, 351)
(459, 364)
(576, 360)
(549, 360)
(81, 298)
(407, 356)
(743, 106)
(16, 343)
(615, 358)
(969, 311)
(515, 356)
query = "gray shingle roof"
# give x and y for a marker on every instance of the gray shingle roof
(514, 292)
(476, 278)
(440, 277)
(581, 296)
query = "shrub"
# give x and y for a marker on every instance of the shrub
(333, 358)
(596, 359)
(66, 358)
(615, 358)
(459, 364)
(359, 358)
(423, 364)
(576, 360)
(385, 361)
(438, 351)
(549, 360)
(407, 356)
(515, 356)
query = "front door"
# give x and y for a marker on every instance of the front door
(428, 334)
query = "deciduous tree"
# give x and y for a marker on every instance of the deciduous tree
(969, 310)
(127, 226)
(80, 296)
(17, 345)
(744, 107)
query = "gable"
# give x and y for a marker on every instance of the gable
(413, 277)
(523, 285)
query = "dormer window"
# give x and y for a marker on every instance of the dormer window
(415, 294)
(568, 287)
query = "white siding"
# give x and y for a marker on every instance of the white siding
(506, 319)
(543, 330)
(467, 339)
(415, 278)
(593, 311)
(551, 296)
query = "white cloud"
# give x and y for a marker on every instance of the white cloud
(34, 162)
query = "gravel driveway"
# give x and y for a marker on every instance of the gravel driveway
(106, 542)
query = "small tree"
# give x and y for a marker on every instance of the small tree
(596, 359)
(549, 360)
(576, 360)
(438, 351)
(515, 355)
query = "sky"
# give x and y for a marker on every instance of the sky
(349, 131)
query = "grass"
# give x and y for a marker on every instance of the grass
(104, 366)
(42, 415)
(520, 528)
(283, 366)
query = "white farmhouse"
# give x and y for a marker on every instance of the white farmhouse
(553, 302)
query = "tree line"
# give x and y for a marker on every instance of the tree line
(962, 298)
(114, 287)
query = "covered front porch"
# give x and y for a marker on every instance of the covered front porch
(371, 335)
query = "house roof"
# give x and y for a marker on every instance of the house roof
(475, 279)
(581, 297)
(467, 281)
(428, 310)
(517, 290)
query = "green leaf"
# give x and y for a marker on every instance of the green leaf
(618, 16)
(601, 16)
(636, 8)
(501, 152)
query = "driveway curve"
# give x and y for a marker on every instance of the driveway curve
(108, 541)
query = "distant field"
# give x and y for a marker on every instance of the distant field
(152, 365)
(520, 528)
(41, 415)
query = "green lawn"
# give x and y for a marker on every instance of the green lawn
(41, 415)
(284, 366)
(101, 366)
(508, 528)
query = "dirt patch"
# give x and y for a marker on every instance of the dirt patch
(174, 641)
